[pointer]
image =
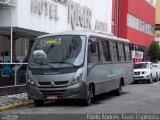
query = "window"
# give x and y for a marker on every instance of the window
(93, 57)
(105, 46)
(139, 24)
(121, 52)
(66, 49)
(113, 50)
(5, 49)
(127, 52)
(101, 51)
(21, 48)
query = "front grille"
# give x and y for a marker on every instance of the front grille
(139, 77)
(52, 86)
(137, 73)
(61, 82)
(44, 83)
(52, 92)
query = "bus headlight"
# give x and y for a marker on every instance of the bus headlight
(30, 81)
(77, 79)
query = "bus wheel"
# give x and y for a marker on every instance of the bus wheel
(88, 100)
(118, 91)
(39, 102)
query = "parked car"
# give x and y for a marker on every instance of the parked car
(144, 71)
(157, 68)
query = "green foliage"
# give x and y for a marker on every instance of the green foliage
(154, 51)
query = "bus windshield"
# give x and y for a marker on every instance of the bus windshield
(58, 52)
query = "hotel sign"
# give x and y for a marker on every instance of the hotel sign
(45, 8)
(79, 15)
(63, 2)
(101, 26)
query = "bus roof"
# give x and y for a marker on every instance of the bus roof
(87, 33)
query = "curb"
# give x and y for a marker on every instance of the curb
(7, 107)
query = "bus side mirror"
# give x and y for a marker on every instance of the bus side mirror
(93, 47)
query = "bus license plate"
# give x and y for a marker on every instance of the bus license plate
(52, 97)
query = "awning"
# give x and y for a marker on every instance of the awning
(21, 32)
(7, 3)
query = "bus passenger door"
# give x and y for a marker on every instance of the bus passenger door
(107, 69)
(94, 70)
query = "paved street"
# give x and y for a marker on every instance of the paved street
(136, 98)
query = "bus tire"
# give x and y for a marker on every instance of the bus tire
(39, 102)
(118, 92)
(88, 100)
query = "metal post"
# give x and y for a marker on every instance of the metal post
(3, 50)
(11, 35)
(15, 75)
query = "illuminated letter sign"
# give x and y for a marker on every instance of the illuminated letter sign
(43, 7)
(79, 15)
(63, 2)
(101, 26)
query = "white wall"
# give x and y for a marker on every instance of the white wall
(23, 18)
(6, 15)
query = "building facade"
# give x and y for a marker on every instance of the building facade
(157, 27)
(22, 21)
(135, 21)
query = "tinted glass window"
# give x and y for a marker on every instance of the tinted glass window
(58, 52)
(93, 57)
(105, 45)
(141, 65)
(121, 55)
(113, 50)
(127, 52)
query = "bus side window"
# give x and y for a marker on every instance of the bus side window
(101, 51)
(121, 51)
(105, 46)
(93, 55)
(113, 50)
(127, 52)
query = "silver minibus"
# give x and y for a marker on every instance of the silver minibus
(77, 65)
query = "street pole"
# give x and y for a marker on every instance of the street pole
(11, 38)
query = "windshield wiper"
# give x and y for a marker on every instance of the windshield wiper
(52, 67)
(48, 65)
(66, 63)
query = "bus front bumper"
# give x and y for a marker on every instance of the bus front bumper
(77, 91)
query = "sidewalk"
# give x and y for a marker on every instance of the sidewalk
(13, 101)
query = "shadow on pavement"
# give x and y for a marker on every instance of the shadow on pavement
(142, 82)
(99, 99)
